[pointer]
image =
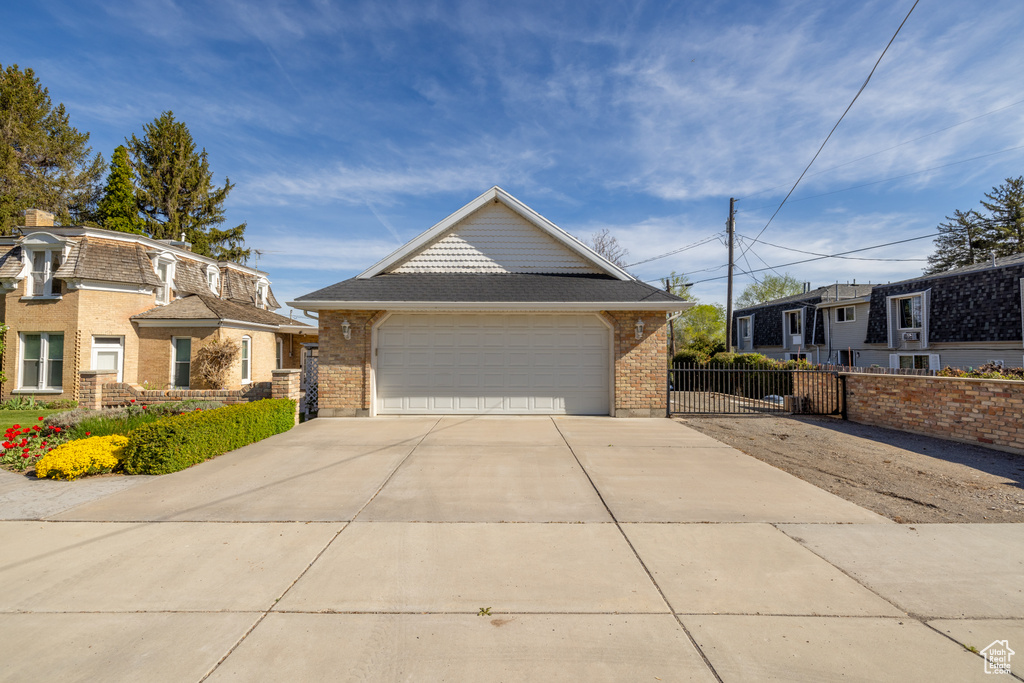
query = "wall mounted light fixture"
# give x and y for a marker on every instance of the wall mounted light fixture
(346, 329)
(639, 328)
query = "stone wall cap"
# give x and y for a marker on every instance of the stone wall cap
(1003, 382)
(97, 372)
(286, 371)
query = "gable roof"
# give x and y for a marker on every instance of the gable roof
(196, 307)
(587, 259)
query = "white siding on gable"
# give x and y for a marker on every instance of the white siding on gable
(496, 239)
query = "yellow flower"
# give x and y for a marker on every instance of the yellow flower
(71, 460)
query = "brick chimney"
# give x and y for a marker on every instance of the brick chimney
(37, 218)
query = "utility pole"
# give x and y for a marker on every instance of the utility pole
(671, 326)
(731, 225)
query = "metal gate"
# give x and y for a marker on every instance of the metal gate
(310, 380)
(709, 390)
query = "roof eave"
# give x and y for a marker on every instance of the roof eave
(324, 305)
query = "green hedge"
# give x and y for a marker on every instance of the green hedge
(174, 443)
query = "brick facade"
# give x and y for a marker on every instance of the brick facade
(639, 365)
(979, 411)
(344, 372)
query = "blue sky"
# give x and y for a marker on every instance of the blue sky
(351, 127)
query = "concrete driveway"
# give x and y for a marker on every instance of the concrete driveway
(507, 549)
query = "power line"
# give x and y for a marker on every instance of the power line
(889, 149)
(677, 251)
(814, 253)
(829, 136)
(819, 258)
(898, 177)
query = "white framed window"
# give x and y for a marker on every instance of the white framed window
(213, 279)
(181, 362)
(743, 332)
(246, 359)
(262, 291)
(44, 263)
(915, 361)
(846, 314)
(280, 353)
(792, 328)
(41, 361)
(909, 312)
(163, 264)
(794, 322)
(108, 354)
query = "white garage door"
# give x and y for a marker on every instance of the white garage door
(477, 363)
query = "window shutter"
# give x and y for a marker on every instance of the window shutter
(894, 360)
(753, 339)
(933, 361)
(926, 297)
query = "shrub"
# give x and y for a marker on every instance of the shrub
(174, 443)
(62, 404)
(213, 359)
(987, 371)
(723, 358)
(689, 356)
(95, 455)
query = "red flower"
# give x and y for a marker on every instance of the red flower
(87, 434)
(143, 407)
(43, 444)
(25, 454)
(40, 418)
(24, 442)
(35, 428)
(16, 427)
(56, 429)
(132, 401)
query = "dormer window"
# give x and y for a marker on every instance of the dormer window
(262, 290)
(163, 264)
(213, 279)
(44, 254)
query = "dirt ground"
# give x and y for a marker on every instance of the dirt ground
(905, 477)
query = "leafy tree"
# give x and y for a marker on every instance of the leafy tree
(605, 244)
(118, 210)
(961, 242)
(45, 163)
(1006, 223)
(770, 287)
(175, 191)
(704, 320)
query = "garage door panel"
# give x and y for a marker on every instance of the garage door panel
(473, 363)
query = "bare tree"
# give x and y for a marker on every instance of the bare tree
(605, 244)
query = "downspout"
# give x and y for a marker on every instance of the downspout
(814, 331)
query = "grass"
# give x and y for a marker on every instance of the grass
(9, 418)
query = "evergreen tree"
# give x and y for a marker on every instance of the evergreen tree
(769, 288)
(45, 163)
(175, 191)
(961, 242)
(118, 210)
(1006, 217)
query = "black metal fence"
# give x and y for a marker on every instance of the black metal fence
(736, 390)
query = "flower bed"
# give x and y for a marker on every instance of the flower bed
(23, 446)
(94, 455)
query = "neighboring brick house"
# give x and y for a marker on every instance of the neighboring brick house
(494, 310)
(964, 317)
(813, 325)
(78, 298)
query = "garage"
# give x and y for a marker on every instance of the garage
(521, 364)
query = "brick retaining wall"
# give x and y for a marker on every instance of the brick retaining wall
(988, 412)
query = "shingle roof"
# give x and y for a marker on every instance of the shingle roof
(1001, 262)
(190, 278)
(10, 263)
(108, 261)
(505, 287)
(199, 307)
(828, 293)
(241, 287)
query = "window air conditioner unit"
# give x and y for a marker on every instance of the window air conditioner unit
(911, 336)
